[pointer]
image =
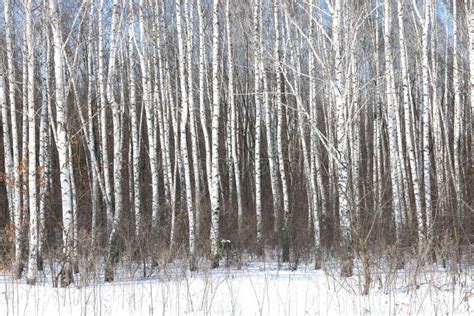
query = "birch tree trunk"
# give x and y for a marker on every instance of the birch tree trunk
(202, 90)
(150, 117)
(409, 130)
(62, 144)
(134, 121)
(214, 191)
(258, 110)
(192, 122)
(234, 123)
(117, 147)
(7, 149)
(315, 162)
(270, 145)
(279, 131)
(91, 139)
(392, 110)
(107, 195)
(342, 163)
(458, 110)
(426, 121)
(183, 136)
(471, 75)
(33, 236)
(16, 188)
(44, 169)
(310, 185)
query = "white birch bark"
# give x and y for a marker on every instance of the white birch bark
(280, 133)
(15, 141)
(471, 75)
(310, 184)
(177, 154)
(75, 223)
(135, 133)
(44, 149)
(94, 174)
(150, 117)
(214, 190)
(183, 135)
(163, 117)
(117, 146)
(234, 123)
(62, 143)
(258, 110)
(192, 121)
(276, 195)
(342, 163)
(315, 163)
(116, 117)
(202, 90)
(355, 137)
(107, 195)
(409, 129)
(458, 111)
(32, 205)
(24, 142)
(7, 148)
(395, 173)
(378, 138)
(426, 109)
(436, 119)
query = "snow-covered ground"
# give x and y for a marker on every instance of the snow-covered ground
(255, 289)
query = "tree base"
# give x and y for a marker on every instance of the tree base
(109, 273)
(317, 262)
(18, 270)
(215, 262)
(66, 275)
(346, 268)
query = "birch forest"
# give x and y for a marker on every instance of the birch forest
(208, 131)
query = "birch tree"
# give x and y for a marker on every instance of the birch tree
(16, 188)
(183, 135)
(392, 113)
(134, 122)
(426, 120)
(33, 235)
(341, 142)
(258, 111)
(214, 191)
(62, 143)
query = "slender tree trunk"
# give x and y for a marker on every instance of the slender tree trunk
(7, 148)
(134, 121)
(192, 121)
(409, 130)
(62, 144)
(458, 110)
(107, 195)
(32, 189)
(234, 122)
(279, 131)
(315, 162)
(202, 90)
(183, 135)
(258, 110)
(214, 190)
(117, 147)
(17, 206)
(426, 120)
(342, 163)
(471, 77)
(392, 111)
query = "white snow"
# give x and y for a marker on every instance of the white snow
(256, 289)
